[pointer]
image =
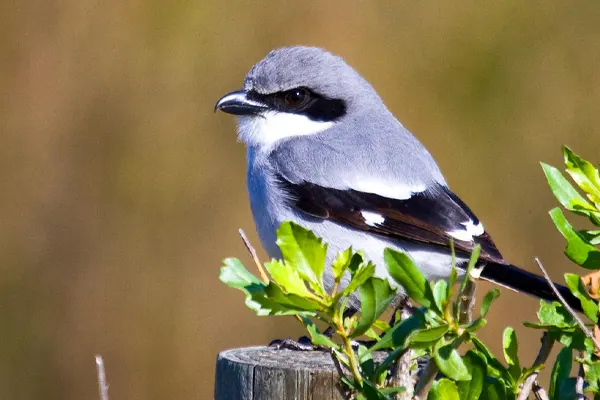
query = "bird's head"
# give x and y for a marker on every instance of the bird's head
(296, 91)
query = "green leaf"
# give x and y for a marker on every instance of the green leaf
(564, 192)
(381, 325)
(428, 335)
(592, 237)
(475, 325)
(371, 334)
(304, 251)
(262, 298)
(566, 389)
(397, 336)
(393, 390)
(450, 363)
(362, 274)
(391, 358)
(356, 261)
(584, 174)
(288, 278)
(236, 276)
(317, 338)
(554, 314)
(578, 250)
(589, 305)
(493, 389)
(454, 271)
(495, 367)
(477, 367)
(560, 371)
(367, 365)
(592, 375)
(511, 352)
(526, 372)
(288, 304)
(488, 300)
(370, 392)
(375, 297)
(444, 389)
(453, 277)
(440, 295)
(572, 337)
(404, 271)
(341, 263)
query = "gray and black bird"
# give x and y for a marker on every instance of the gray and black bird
(324, 151)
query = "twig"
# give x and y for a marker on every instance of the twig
(402, 372)
(426, 380)
(102, 385)
(261, 270)
(344, 391)
(579, 384)
(566, 306)
(402, 375)
(545, 349)
(467, 301)
(539, 392)
(337, 364)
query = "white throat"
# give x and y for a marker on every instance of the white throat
(265, 130)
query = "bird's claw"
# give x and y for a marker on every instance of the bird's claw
(302, 344)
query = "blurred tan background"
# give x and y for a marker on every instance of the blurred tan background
(121, 191)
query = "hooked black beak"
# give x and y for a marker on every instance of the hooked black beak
(237, 103)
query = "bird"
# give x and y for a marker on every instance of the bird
(324, 151)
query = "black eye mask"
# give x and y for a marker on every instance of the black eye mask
(304, 102)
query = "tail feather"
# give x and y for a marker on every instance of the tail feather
(520, 280)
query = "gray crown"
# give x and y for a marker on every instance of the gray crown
(314, 68)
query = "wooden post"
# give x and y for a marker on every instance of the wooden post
(257, 373)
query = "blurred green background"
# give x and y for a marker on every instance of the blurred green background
(121, 191)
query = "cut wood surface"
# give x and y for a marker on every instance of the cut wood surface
(254, 373)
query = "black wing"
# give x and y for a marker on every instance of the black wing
(432, 217)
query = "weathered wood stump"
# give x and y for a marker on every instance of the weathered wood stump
(256, 373)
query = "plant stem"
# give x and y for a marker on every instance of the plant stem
(338, 366)
(348, 350)
(336, 285)
(403, 375)
(539, 392)
(261, 270)
(467, 301)
(102, 385)
(567, 307)
(405, 368)
(545, 349)
(579, 384)
(426, 380)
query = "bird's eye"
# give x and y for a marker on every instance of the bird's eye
(296, 97)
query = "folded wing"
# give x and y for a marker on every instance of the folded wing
(434, 216)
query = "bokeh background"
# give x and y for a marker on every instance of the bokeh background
(121, 191)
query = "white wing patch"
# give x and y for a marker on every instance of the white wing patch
(270, 127)
(372, 219)
(390, 190)
(467, 234)
(474, 230)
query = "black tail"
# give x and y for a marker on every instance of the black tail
(522, 281)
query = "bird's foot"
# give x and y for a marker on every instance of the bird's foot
(302, 344)
(367, 343)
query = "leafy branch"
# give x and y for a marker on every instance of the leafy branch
(441, 326)
(294, 286)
